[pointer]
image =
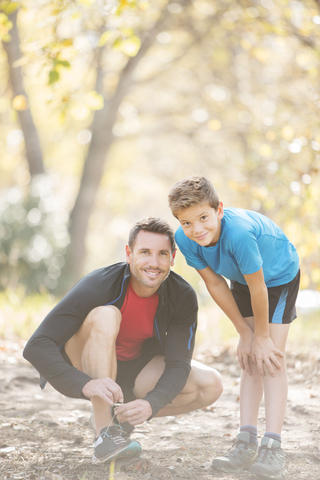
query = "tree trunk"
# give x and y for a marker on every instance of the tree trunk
(31, 138)
(102, 138)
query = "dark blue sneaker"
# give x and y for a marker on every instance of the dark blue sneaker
(110, 443)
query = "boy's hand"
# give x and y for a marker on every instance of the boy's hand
(265, 352)
(135, 412)
(244, 350)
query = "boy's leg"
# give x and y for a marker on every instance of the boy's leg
(276, 388)
(203, 387)
(251, 391)
(92, 350)
(245, 450)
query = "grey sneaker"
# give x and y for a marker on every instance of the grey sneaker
(239, 457)
(109, 444)
(270, 463)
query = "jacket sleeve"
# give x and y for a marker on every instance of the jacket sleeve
(179, 346)
(58, 326)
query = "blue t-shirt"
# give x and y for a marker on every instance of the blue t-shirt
(248, 241)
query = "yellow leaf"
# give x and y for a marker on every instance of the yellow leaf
(214, 125)
(86, 3)
(261, 54)
(304, 281)
(246, 44)
(131, 46)
(315, 275)
(81, 112)
(271, 135)
(20, 103)
(103, 40)
(265, 150)
(288, 132)
(94, 100)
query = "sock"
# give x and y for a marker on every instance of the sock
(253, 433)
(274, 436)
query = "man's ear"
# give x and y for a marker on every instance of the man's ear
(128, 254)
(173, 256)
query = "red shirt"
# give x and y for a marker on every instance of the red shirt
(136, 325)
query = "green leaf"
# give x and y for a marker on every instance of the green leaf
(9, 7)
(53, 76)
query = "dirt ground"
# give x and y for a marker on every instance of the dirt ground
(44, 435)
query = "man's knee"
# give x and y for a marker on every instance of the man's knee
(215, 386)
(209, 384)
(103, 320)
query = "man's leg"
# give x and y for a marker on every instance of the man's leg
(92, 350)
(203, 387)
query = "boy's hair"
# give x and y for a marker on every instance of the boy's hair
(153, 225)
(192, 191)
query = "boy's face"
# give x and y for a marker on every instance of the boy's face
(202, 223)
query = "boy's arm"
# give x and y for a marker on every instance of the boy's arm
(221, 294)
(263, 348)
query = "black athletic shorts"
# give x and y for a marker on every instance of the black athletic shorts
(127, 372)
(282, 300)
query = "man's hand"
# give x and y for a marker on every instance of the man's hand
(135, 412)
(104, 388)
(265, 352)
(244, 349)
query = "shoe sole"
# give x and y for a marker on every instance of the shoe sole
(225, 469)
(236, 470)
(109, 457)
(134, 449)
(264, 476)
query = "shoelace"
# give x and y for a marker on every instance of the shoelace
(266, 455)
(235, 452)
(117, 439)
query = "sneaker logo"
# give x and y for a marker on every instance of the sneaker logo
(98, 441)
(270, 442)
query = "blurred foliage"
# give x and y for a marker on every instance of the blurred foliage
(228, 89)
(34, 237)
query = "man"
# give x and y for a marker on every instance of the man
(125, 333)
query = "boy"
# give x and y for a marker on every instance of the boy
(263, 266)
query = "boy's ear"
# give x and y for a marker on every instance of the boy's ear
(220, 210)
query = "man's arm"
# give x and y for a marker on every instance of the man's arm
(263, 348)
(221, 294)
(55, 330)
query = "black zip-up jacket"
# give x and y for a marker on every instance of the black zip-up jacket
(174, 325)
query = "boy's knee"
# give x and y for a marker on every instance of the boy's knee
(105, 320)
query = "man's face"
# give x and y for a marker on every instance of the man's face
(202, 223)
(150, 260)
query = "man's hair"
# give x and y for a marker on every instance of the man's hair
(192, 191)
(153, 225)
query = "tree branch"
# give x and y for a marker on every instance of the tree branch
(31, 138)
